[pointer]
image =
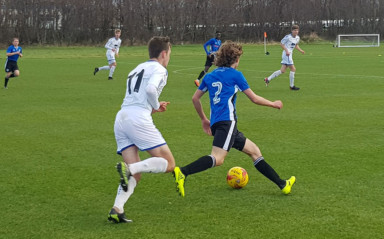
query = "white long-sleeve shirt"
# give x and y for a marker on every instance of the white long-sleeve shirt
(113, 43)
(144, 86)
(290, 42)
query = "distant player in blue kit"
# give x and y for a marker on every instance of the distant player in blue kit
(214, 45)
(222, 85)
(14, 51)
(288, 43)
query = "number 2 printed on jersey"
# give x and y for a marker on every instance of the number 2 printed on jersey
(219, 86)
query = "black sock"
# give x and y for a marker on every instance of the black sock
(6, 82)
(201, 75)
(269, 172)
(199, 165)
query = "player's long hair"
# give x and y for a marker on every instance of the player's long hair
(228, 54)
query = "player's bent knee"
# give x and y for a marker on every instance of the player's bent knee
(255, 156)
(219, 161)
(251, 149)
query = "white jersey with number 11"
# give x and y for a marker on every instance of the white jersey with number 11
(150, 72)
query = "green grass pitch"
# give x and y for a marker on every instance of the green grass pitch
(57, 148)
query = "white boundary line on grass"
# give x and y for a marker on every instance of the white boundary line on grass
(332, 75)
(192, 68)
(312, 74)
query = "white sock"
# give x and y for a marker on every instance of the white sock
(111, 71)
(104, 68)
(150, 165)
(274, 75)
(292, 78)
(122, 196)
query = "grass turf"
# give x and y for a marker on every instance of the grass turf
(57, 157)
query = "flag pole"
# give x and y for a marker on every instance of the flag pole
(265, 44)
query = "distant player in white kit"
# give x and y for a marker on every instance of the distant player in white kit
(134, 127)
(288, 43)
(113, 46)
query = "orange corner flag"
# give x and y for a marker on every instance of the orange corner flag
(265, 34)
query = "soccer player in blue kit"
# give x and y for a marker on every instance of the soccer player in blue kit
(222, 85)
(14, 51)
(214, 45)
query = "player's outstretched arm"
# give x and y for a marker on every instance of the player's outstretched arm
(208, 43)
(200, 111)
(12, 54)
(108, 45)
(262, 101)
(299, 49)
(152, 97)
(285, 49)
(163, 106)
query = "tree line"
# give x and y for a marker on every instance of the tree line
(91, 22)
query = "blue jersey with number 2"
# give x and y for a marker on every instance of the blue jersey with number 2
(222, 85)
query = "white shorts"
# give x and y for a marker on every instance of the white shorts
(286, 60)
(111, 57)
(134, 127)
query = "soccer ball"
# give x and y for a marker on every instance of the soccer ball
(237, 177)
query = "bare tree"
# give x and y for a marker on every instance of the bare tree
(93, 21)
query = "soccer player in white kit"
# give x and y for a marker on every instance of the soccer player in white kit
(134, 127)
(288, 43)
(113, 46)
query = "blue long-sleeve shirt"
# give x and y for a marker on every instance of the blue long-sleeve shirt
(214, 45)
